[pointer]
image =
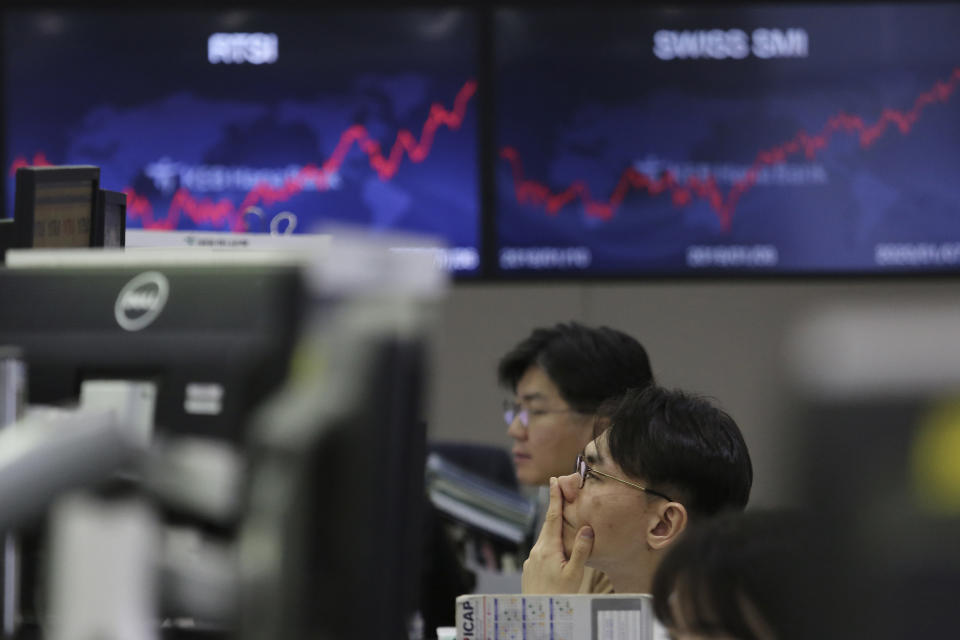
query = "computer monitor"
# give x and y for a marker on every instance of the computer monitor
(749, 139)
(110, 223)
(216, 338)
(875, 414)
(55, 207)
(257, 118)
(347, 455)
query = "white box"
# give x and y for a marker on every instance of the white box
(556, 617)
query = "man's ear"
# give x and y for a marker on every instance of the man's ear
(668, 522)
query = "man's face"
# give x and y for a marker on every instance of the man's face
(618, 513)
(554, 434)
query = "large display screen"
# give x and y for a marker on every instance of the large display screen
(259, 120)
(819, 139)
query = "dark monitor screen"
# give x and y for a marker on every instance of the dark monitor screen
(257, 119)
(111, 221)
(897, 489)
(347, 455)
(215, 339)
(874, 443)
(753, 139)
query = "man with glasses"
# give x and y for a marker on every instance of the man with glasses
(559, 377)
(666, 458)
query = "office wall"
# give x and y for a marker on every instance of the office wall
(722, 339)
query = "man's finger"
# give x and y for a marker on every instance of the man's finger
(582, 547)
(552, 521)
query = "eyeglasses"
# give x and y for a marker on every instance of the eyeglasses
(583, 469)
(513, 411)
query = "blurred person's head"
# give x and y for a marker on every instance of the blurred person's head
(743, 576)
(667, 458)
(559, 377)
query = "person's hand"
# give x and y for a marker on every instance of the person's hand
(548, 570)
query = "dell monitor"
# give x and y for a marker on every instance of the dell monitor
(216, 339)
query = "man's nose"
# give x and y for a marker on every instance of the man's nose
(570, 486)
(516, 430)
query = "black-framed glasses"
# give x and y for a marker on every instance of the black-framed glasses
(514, 411)
(583, 469)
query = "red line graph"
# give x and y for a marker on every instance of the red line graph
(39, 160)
(528, 191)
(225, 213)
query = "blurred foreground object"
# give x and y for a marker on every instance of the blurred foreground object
(271, 487)
(877, 392)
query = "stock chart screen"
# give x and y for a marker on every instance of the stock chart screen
(792, 139)
(258, 121)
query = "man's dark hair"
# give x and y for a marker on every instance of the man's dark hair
(683, 445)
(587, 364)
(728, 570)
